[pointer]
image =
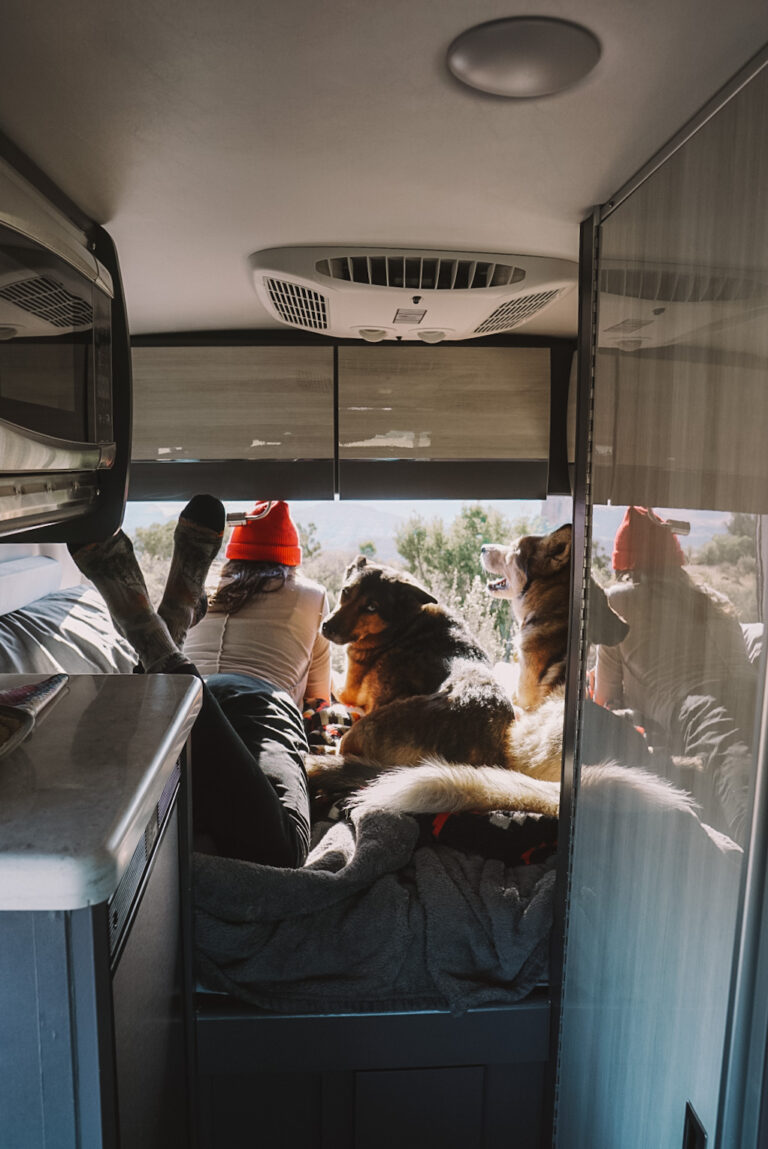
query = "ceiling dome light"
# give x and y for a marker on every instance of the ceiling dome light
(523, 57)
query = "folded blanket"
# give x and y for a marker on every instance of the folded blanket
(373, 921)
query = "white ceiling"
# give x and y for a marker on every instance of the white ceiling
(200, 131)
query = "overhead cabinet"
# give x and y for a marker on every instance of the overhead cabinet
(351, 420)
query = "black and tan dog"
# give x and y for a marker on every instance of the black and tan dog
(424, 684)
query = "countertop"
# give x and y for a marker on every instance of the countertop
(76, 795)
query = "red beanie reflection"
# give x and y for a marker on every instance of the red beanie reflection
(271, 539)
(645, 543)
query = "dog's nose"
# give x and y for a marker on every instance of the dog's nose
(483, 550)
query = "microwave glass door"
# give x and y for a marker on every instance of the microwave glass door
(53, 326)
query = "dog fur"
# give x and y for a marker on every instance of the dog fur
(425, 686)
(535, 574)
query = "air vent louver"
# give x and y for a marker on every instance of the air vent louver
(298, 305)
(49, 300)
(419, 273)
(673, 285)
(515, 311)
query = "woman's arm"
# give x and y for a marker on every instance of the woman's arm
(609, 678)
(319, 677)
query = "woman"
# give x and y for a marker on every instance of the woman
(260, 646)
(683, 668)
(264, 619)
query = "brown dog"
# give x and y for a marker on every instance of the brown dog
(535, 573)
(425, 685)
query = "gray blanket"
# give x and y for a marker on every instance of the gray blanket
(370, 922)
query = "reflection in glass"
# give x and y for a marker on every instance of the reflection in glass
(680, 412)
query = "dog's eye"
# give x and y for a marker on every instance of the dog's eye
(344, 594)
(371, 607)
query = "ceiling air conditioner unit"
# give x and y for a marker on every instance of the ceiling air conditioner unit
(376, 293)
(644, 305)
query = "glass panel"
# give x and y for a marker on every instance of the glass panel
(681, 408)
(443, 403)
(47, 326)
(196, 403)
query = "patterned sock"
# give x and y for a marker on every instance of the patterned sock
(112, 568)
(196, 542)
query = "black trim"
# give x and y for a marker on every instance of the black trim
(579, 566)
(335, 418)
(559, 479)
(273, 337)
(235, 1038)
(107, 514)
(443, 479)
(689, 129)
(233, 479)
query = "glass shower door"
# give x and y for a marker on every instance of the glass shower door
(667, 764)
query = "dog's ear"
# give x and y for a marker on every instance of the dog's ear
(605, 626)
(557, 547)
(357, 564)
(407, 589)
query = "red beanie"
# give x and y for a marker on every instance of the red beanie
(271, 539)
(645, 543)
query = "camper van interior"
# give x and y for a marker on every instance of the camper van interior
(481, 292)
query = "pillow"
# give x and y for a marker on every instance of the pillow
(70, 630)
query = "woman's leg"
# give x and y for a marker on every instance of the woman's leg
(249, 787)
(196, 542)
(250, 796)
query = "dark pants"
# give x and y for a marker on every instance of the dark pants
(249, 787)
(719, 732)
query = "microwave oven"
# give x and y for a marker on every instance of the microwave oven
(64, 372)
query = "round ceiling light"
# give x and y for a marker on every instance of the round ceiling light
(523, 57)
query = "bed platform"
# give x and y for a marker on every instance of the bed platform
(370, 1080)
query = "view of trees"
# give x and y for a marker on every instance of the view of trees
(444, 556)
(728, 564)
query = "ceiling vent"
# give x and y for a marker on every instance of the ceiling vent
(297, 305)
(655, 305)
(515, 312)
(420, 273)
(410, 294)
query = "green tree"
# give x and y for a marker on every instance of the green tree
(447, 561)
(310, 543)
(368, 549)
(156, 540)
(737, 543)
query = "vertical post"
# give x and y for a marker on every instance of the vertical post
(588, 290)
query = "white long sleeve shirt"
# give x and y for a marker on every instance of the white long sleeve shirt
(275, 636)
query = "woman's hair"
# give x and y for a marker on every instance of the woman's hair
(241, 579)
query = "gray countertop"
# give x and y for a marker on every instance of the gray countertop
(76, 795)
